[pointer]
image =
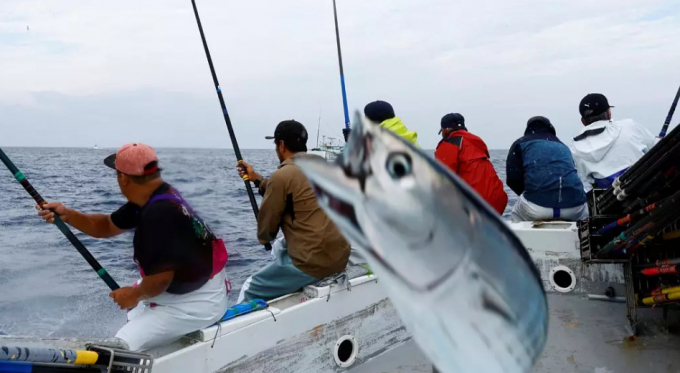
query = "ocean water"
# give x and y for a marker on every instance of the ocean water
(47, 288)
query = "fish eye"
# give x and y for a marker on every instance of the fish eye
(399, 165)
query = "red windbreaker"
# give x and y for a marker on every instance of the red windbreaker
(467, 156)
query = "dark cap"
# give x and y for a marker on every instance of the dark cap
(379, 111)
(292, 133)
(539, 124)
(453, 120)
(593, 104)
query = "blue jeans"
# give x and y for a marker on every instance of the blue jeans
(276, 279)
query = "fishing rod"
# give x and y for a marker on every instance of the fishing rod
(651, 232)
(660, 263)
(19, 176)
(651, 160)
(232, 135)
(609, 198)
(342, 72)
(662, 270)
(655, 218)
(671, 184)
(662, 134)
(662, 163)
(627, 219)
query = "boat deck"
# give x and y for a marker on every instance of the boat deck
(594, 336)
(590, 336)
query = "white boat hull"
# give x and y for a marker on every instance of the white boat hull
(300, 337)
(300, 332)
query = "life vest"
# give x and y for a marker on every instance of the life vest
(397, 126)
(220, 256)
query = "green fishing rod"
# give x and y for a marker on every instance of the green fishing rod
(101, 271)
(232, 135)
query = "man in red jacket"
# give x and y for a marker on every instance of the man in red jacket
(467, 156)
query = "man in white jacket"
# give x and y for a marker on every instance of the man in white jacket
(605, 149)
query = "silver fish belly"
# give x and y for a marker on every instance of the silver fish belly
(462, 282)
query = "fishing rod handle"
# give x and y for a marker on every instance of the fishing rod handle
(244, 170)
(246, 179)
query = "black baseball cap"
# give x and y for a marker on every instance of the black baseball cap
(453, 120)
(292, 133)
(593, 104)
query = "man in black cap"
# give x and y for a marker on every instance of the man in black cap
(540, 170)
(467, 156)
(312, 247)
(605, 149)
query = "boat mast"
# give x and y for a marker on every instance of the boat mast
(342, 73)
(318, 128)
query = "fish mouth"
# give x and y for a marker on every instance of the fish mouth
(341, 207)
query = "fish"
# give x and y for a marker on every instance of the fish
(462, 282)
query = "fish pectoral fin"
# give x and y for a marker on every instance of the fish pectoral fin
(493, 303)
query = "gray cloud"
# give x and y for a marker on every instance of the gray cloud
(114, 72)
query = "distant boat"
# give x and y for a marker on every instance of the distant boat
(328, 149)
(95, 147)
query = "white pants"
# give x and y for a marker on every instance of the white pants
(528, 211)
(174, 315)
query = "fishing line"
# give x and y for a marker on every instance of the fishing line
(669, 117)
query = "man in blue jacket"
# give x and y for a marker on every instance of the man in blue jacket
(541, 170)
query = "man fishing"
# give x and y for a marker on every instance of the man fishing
(605, 149)
(540, 169)
(180, 260)
(382, 113)
(313, 246)
(467, 155)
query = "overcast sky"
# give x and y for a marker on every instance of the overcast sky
(110, 72)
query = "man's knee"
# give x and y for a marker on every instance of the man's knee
(148, 331)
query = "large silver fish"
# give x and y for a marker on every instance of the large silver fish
(462, 282)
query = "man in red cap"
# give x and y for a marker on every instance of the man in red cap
(180, 260)
(467, 156)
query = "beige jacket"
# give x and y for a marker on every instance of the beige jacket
(314, 243)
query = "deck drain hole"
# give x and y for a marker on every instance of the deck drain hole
(346, 350)
(562, 279)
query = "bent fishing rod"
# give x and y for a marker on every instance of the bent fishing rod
(19, 176)
(232, 135)
(662, 134)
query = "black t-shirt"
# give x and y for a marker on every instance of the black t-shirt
(169, 238)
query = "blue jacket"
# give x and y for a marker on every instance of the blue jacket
(541, 166)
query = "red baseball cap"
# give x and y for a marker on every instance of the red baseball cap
(134, 159)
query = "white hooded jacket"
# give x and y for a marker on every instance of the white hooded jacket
(606, 149)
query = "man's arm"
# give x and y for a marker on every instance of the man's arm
(586, 179)
(154, 285)
(648, 137)
(514, 168)
(447, 153)
(95, 225)
(271, 210)
(151, 286)
(261, 184)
